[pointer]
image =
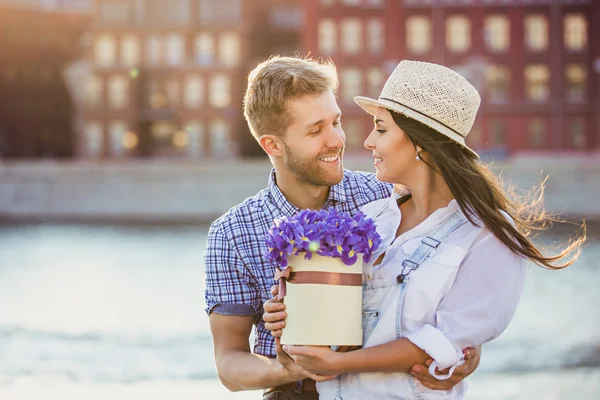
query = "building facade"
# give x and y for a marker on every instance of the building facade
(167, 78)
(535, 62)
(38, 39)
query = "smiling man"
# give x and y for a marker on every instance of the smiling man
(292, 112)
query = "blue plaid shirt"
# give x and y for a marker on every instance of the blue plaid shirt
(238, 275)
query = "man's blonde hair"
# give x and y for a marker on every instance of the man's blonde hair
(279, 79)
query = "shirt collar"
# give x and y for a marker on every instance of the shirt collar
(281, 203)
(337, 194)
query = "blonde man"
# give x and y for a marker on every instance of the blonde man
(292, 112)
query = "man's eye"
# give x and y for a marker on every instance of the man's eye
(316, 132)
(336, 123)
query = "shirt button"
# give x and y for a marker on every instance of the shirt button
(400, 278)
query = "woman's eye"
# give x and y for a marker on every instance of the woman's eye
(381, 130)
(316, 132)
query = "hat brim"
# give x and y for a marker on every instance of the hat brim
(371, 106)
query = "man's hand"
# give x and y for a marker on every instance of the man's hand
(421, 372)
(274, 315)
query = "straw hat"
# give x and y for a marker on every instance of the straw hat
(432, 94)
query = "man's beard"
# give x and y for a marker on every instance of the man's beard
(309, 171)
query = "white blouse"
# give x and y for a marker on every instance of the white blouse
(464, 295)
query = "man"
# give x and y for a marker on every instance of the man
(292, 112)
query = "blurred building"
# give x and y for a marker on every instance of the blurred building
(167, 77)
(37, 40)
(535, 62)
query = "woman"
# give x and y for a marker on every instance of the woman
(452, 264)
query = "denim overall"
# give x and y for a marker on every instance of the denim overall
(382, 308)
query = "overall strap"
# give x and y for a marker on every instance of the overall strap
(430, 243)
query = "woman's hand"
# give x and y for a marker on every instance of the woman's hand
(320, 360)
(421, 372)
(296, 369)
(274, 315)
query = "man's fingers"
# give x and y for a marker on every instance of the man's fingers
(469, 353)
(273, 305)
(294, 350)
(321, 378)
(275, 290)
(278, 316)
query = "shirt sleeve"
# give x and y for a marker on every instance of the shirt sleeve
(478, 307)
(230, 288)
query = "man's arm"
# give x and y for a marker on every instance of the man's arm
(237, 367)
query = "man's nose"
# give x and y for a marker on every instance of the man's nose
(335, 138)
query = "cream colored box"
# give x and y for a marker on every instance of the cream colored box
(323, 314)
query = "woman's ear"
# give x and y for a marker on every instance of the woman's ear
(272, 145)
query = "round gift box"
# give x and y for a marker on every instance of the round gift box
(323, 314)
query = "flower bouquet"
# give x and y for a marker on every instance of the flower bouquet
(319, 257)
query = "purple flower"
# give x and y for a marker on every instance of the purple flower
(324, 232)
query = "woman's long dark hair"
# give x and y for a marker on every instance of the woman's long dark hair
(479, 193)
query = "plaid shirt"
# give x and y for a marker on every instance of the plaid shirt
(238, 276)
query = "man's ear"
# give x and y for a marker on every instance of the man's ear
(272, 145)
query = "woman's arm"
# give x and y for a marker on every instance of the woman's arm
(477, 309)
(397, 356)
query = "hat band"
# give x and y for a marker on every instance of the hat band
(425, 115)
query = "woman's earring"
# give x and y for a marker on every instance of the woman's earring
(418, 158)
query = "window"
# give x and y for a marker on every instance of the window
(153, 50)
(537, 133)
(93, 139)
(375, 36)
(105, 51)
(577, 133)
(173, 92)
(173, 13)
(537, 82)
(536, 32)
(575, 32)
(220, 91)
(284, 16)
(375, 79)
(194, 91)
(220, 143)
(497, 80)
(327, 37)
(205, 49)
(497, 33)
(350, 2)
(352, 36)
(229, 49)
(576, 83)
(117, 12)
(220, 12)
(118, 95)
(458, 33)
(130, 50)
(497, 134)
(155, 96)
(353, 128)
(118, 139)
(94, 92)
(175, 49)
(418, 34)
(195, 131)
(351, 84)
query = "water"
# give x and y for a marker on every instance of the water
(108, 306)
